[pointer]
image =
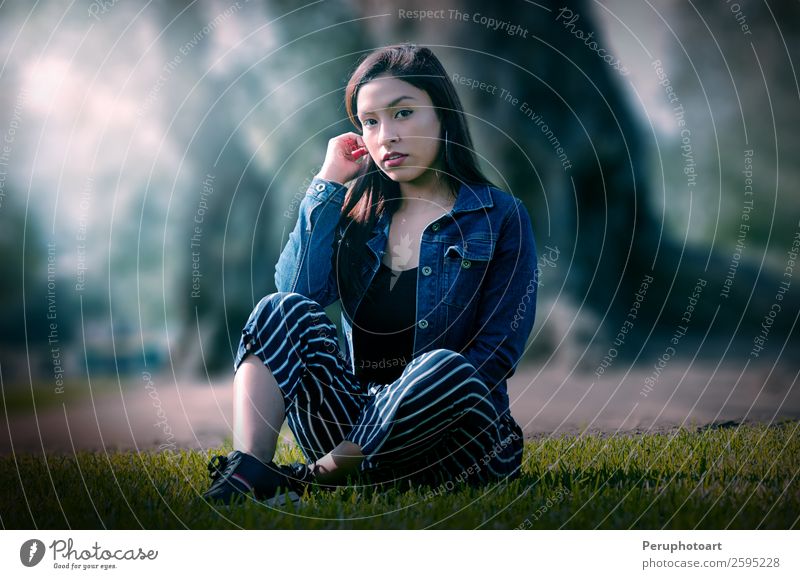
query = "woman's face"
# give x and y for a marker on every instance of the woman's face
(397, 117)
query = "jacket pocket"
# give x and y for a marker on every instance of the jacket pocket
(465, 265)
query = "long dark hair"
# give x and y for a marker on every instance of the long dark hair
(373, 192)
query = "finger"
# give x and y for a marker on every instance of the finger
(351, 144)
(355, 154)
(356, 138)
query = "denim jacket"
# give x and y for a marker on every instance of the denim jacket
(476, 283)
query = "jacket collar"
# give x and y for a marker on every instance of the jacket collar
(471, 197)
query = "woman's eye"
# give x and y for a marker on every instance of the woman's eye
(367, 123)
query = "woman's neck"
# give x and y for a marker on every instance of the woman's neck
(421, 194)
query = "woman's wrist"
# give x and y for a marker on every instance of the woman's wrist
(329, 176)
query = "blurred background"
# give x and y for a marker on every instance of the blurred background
(153, 157)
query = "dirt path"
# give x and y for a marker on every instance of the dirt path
(155, 413)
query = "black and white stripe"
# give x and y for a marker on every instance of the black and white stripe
(437, 415)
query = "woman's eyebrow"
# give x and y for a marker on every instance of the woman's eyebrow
(391, 104)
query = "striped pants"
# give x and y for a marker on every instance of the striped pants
(435, 423)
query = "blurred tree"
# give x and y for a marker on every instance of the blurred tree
(276, 98)
(270, 102)
(158, 103)
(600, 211)
(734, 72)
(24, 323)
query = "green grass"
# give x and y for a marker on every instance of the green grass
(739, 478)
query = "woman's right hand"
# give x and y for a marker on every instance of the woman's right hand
(343, 159)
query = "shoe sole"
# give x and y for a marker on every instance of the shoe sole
(282, 499)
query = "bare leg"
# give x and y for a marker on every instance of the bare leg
(258, 413)
(258, 410)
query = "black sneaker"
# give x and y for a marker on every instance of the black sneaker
(240, 474)
(296, 479)
(235, 476)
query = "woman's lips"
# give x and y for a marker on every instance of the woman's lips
(395, 161)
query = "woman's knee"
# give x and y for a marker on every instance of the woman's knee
(279, 309)
(277, 325)
(441, 359)
(283, 301)
(440, 370)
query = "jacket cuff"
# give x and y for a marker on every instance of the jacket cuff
(324, 190)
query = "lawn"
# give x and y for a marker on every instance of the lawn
(739, 477)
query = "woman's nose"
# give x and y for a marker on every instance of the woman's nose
(388, 135)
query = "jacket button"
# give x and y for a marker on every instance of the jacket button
(423, 324)
(320, 187)
(426, 270)
(435, 227)
(466, 263)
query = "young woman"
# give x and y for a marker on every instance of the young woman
(435, 268)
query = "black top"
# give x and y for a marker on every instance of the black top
(383, 332)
